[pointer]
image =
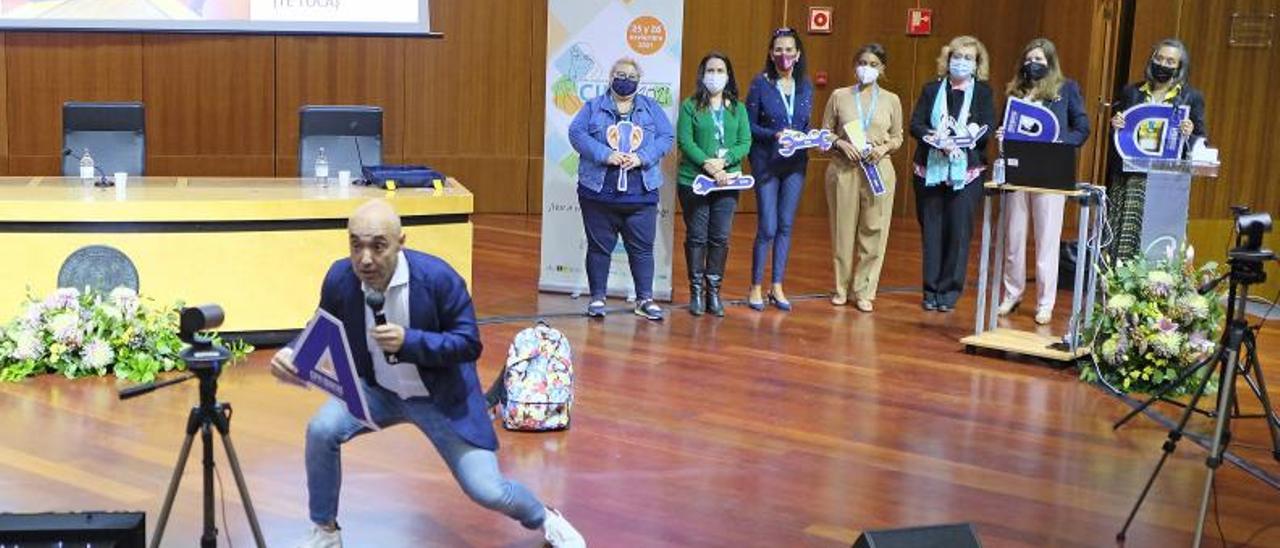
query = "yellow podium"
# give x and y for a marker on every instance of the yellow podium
(257, 247)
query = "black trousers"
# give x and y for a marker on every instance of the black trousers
(946, 229)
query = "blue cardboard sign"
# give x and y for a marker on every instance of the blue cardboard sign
(323, 358)
(703, 185)
(1029, 121)
(793, 141)
(1151, 132)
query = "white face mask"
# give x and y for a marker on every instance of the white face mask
(715, 82)
(867, 75)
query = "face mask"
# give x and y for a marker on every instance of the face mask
(1034, 71)
(866, 74)
(1161, 73)
(784, 62)
(715, 82)
(962, 68)
(624, 87)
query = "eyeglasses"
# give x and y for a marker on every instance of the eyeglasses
(623, 75)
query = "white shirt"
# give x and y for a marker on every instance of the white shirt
(401, 378)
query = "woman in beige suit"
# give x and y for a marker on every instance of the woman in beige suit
(867, 120)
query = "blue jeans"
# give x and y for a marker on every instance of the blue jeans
(603, 222)
(475, 469)
(777, 196)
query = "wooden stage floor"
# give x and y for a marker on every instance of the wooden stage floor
(759, 429)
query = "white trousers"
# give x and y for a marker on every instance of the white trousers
(1047, 209)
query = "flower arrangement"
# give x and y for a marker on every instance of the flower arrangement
(1153, 323)
(79, 334)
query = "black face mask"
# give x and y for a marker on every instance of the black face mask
(1034, 71)
(1161, 73)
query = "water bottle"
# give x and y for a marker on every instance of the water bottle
(997, 172)
(322, 168)
(86, 167)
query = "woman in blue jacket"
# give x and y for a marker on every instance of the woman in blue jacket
(779, 100)
(621, 137)
(1039, 79)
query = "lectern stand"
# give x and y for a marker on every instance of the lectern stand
(986, 334)
(1167, 204)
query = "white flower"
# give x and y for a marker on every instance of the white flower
(1167, 343)
(27, 345)
(1191, 254)
(1120, 303)
(1111, 351)
(1159, 283)
(65, 328)
(31, 316)
(98, 354)
(64, 297)
(126, 299)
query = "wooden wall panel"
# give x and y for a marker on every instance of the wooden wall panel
(333, 70)
(182, 76)
(471, 103)
(1239, 84)
(706, 29)
(468, 98)
(48, 69)
(537, 97)
(4, 112)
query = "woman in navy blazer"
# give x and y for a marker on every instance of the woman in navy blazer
(779, 99)
(1039, 78)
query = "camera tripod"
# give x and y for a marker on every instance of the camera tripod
(204, 360)
(1226, 362)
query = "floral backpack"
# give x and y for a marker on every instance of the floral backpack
(534, 392)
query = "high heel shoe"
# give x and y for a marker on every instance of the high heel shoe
(754, 305)
(782, 305)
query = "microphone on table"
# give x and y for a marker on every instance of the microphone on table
(375, 300)
(102, 180)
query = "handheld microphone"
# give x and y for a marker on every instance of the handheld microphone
(102, 180)
(376, 300)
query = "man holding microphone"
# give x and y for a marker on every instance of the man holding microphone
(416, 361)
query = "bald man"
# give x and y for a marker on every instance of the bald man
(418, 367)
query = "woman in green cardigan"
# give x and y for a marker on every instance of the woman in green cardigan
(714, 135)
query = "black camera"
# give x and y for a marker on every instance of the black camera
(1251, 227)
(195, 319)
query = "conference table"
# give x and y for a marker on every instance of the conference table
(259, 247)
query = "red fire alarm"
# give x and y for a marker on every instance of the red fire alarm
(919, 21)
(819, 20)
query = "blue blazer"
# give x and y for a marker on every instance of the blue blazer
(768, 116)
(1068, 107)
(441, 338)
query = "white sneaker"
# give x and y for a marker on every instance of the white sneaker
(559, 533)
(322, 539)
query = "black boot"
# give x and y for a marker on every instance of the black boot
(696, 258)
(716, 257)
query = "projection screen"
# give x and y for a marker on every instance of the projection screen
(251, 16)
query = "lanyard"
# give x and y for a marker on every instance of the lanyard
(788, 101)
(871, 111)
(717, 117)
